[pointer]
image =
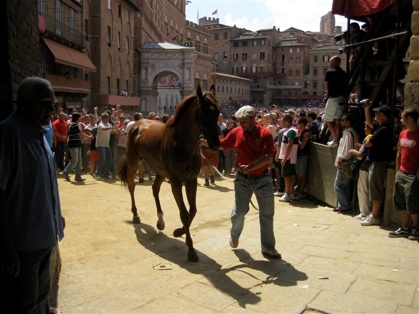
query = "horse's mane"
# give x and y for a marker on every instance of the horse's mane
(181, 108)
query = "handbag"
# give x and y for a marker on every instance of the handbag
(345, 168)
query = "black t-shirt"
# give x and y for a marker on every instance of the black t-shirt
(314, 130)
(336, 81)
(304, 151)
(382, 144)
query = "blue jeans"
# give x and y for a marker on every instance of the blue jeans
(75, 162)
(105, 161)
(264, 191)
(343, 189)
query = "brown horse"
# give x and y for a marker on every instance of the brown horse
(172, 151)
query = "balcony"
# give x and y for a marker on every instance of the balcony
(47, 23)
(263, 74)
(61, 84)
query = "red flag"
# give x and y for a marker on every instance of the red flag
(215, 12)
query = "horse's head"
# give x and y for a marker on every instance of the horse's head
(208, 116)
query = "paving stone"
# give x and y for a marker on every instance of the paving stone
(386, 273)
(395, 292)
(330, 264)
(332, 302)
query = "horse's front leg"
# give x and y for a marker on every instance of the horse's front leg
(186, 217)
(156, 190)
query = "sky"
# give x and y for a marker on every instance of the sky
(264, 14)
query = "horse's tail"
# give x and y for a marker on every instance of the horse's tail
(130, 159)
(123, 170)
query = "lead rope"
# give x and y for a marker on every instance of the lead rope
(230, 180)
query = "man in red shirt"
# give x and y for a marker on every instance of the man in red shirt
(406, 185)
(60, 127)
(254, 148)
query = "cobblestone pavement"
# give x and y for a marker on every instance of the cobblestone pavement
(330, 262)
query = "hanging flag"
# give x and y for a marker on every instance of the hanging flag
(215, 12)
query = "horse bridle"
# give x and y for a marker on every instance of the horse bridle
(198, 114)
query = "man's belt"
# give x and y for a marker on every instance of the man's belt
(255, 175)
(335, 96)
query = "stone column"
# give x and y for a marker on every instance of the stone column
(411, 90)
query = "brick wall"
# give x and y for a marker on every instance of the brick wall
(19, 21)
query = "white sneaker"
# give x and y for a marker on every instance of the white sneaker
(360, 217)
(370, 220)
(285, 198)
(299, 196)
(278, 193)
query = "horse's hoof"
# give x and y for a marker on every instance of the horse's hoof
(178, 232)
(161, 225)
(193, 258)
(136, 220)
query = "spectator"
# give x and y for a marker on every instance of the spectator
(30, 215)
(334, 85)
(406, 186)
(379, 154)
(230, 154)
(60, 127)
(140, 169)
(280, 182)
(343, 181)
(362, 182)
(313, 125)
(302, 157)
(75, 136)
(104, 130)
(288, 155)
(209, 160)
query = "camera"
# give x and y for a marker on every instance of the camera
(341, 36)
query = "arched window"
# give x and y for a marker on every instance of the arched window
(58, 17)
(72, 21)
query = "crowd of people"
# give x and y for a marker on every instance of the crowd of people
(268, 152)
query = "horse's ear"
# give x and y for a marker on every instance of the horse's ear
(199, 91)
(212, 89)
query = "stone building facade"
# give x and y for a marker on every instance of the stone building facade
(411, 89)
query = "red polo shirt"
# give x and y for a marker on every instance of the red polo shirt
(61, 127)
(249, 147)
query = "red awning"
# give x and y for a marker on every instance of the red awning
(69, 56)
(353, 8)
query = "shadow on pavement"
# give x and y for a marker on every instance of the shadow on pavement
(174, 251)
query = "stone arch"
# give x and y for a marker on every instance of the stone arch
(167, 88)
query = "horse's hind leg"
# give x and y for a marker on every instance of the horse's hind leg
(156, 190)
(131, 188)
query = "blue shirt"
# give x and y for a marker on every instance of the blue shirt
(29, 180)
(49, 134)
